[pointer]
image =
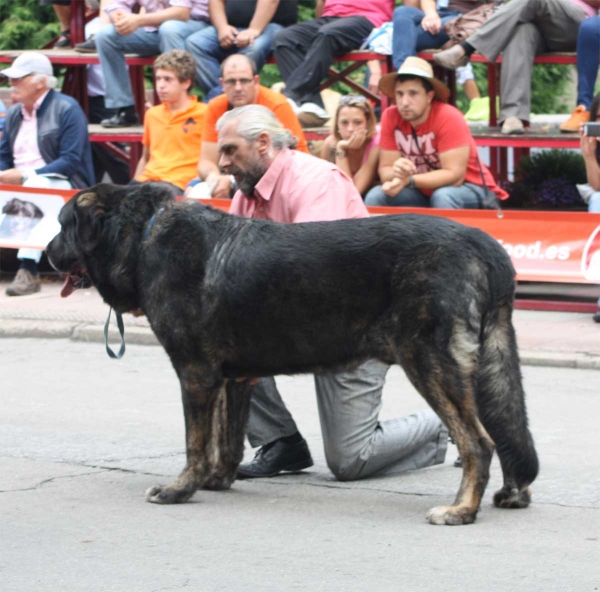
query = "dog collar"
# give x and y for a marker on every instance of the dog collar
(151, 223)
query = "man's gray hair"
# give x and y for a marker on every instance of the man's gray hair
(51, 81)
(252, 120)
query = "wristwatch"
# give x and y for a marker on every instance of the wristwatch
(24, 177)
(411, 182)
(340, 153)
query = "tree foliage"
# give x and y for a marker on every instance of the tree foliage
(25, 24)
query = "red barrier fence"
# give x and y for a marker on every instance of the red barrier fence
(544, 246)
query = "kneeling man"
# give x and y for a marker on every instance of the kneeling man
(281, 184)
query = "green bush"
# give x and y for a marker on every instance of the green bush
(548, 87)
(26, 25)
(546, 180)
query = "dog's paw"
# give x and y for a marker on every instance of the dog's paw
(218, 483)
(511, 497)
(163, 494)
(450, 515)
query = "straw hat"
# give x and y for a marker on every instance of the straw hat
(414, 66)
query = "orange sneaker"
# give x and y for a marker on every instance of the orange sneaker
(580, 116)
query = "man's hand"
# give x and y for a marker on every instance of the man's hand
(227, 36)
(394, 186)
(588, 146)
(403, 168)
(127, 24)
(222, 185)
(432, 23)
(374, 83)
(246, 37)
(115, 15)
(11, 177)
(354, 142)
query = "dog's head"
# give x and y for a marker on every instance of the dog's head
(18, 207)
(101, 234)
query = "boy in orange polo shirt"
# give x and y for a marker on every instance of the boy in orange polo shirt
(173, 129)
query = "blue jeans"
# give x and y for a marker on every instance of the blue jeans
(208, 54)
(588, 50)
(112, 48)
(452, 198)
(594, 203)
(410, 38)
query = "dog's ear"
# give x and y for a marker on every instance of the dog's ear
(89, 216)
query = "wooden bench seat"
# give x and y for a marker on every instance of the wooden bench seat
(70, 57)
(75, 81)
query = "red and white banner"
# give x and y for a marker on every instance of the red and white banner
(543, 246)
(29, 217)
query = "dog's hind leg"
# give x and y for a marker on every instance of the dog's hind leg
(501, 402)
(443, 369)
(203, 397)
(228, 431)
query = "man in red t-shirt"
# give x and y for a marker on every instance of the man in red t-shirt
(428, 157)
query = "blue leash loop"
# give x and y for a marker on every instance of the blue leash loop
(119, 317)
(109, 351)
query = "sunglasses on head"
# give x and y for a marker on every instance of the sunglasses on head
(352, 99)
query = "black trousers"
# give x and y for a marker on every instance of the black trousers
(105, 161)
(305, 51)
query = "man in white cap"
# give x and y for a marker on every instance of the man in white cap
(428, 157)
(45, 144)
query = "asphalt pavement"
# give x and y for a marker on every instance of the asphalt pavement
(83, 436)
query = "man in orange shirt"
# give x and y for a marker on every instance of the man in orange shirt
(173, 129)
(240, 81)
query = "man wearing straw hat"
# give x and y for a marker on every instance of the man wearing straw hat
(428, 157)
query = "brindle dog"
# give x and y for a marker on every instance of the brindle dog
(229, 297)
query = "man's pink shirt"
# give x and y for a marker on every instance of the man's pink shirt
(589, 11)
(26, 152)
(298, 187)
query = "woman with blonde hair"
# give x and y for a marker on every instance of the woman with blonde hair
(354, 141)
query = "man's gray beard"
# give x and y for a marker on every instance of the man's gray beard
(248, 180)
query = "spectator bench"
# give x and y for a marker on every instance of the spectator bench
(75, 82)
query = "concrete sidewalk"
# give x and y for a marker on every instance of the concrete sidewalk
(563, 339)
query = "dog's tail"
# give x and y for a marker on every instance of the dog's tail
(501, 402)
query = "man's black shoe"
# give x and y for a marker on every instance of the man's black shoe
(88, 46)
(122, 118)
(596, 317)
(276, 457)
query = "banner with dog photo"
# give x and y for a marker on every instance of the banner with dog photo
(29, 217)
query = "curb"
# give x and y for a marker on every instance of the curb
(135, 335)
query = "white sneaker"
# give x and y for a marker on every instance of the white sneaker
(293, 105)
(315, 110)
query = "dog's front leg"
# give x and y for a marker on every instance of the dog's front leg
(201, 401)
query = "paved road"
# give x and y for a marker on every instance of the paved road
(83, 436)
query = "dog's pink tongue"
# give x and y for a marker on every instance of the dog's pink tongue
(68, 287)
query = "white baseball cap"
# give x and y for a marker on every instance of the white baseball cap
(31, 62)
